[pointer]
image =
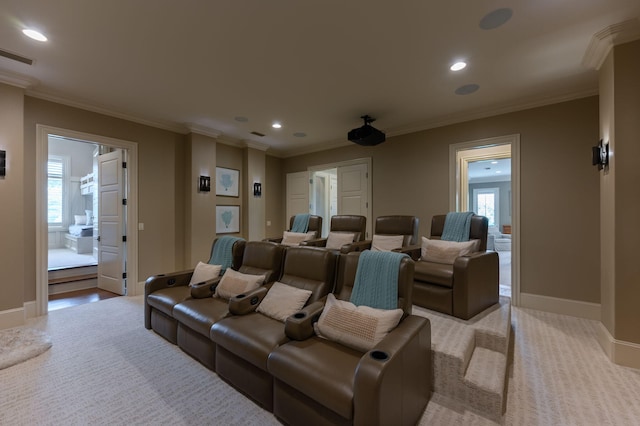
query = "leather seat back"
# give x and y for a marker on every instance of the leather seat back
(310, 268)
(479, 229)
(315, 224)
(262, 257)
(348, 266)
(350, 224)
(398, 225)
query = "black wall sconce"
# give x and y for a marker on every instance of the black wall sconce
(257, 189)
(600, 155)
(205, 184)
(3, 158)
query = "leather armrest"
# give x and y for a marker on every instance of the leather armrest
(319, 242)
(273, 240)
(243, 304)
(205, 288)
(174, 279)
(414, 251)
(476, 283)
(397, 370)
(299, 326)
(356, 246)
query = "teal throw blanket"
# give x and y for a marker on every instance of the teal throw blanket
(222, 252)
(301, 223)
(457, 226)
(376, 283)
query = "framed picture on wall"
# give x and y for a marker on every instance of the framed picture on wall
(227, 219)
(227, 182)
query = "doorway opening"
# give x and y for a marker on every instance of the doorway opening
(485, 180)
(85, 197)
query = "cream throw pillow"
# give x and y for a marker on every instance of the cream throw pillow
(439, 251)
(295, 238)
(282, 301)
(358, 327)
(234, 283)
(204, 272)
(80, 219)
(335, 240)
(386, 242)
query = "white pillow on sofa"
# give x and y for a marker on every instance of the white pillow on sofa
(80, 219)
(358, 327)
(234, 283)
(204, 272)
(335, 240)
(295, 238)
(386, 242)
(282, 301)
(439, 251)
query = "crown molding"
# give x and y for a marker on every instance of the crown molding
(203, 130)
(310, 149)
(165, 125)
(604, 40)
(256, 145)
(17, 80)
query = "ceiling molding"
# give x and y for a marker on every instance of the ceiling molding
(203, 130)
(256, 145)
(17, 80)
(170, 126)
(603, 41)
(310, 149)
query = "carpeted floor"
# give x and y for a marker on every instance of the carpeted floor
(106, 368)
(66, 258)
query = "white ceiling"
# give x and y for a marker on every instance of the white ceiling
(314, 66)
(495, 170)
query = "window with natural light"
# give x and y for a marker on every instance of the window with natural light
(55, 191)
(486, 204)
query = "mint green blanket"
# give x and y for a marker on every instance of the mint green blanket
(222, 253)
(457, 226)
(301, 223)
(376, 283)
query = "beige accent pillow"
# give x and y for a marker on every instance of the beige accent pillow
(335, 240)
(358, 327)
(282, 301)
(80, 219)
(204, 272)
(386, 242)
(295, 238)
(234, 283)
(439, 251)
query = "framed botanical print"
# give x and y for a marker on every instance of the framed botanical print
(227, 182)
(227, 219)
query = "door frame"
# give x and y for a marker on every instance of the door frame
(354, 162)
(457, 194)
(42, 244)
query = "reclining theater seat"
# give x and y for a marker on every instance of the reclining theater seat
(341, 226)
(163, 292)
(244, 342)
(321, 382)
(196, 316)
(315, 225)
(464, 288)
(392, 226)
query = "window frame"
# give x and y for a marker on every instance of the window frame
(496, 206)
(66, 163)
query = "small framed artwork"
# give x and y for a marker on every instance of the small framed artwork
(227, 219)
(227, 182)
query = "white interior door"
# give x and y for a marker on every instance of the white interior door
(111, 229)
(353, 192)
(297, 195)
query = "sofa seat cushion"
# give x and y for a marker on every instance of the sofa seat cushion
(251, 337)
(166, 299)
(200, 314)
(321, 369)
(434, 273)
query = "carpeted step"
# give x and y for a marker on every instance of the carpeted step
(485, 382)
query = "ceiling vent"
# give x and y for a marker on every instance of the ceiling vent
(366, 135)
(16, 57)
(258, 134)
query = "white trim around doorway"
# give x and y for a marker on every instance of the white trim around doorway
(42, 151)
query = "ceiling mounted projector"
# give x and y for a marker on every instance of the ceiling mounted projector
(366, 135)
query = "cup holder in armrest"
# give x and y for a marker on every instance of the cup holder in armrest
(171, 281)
(300, 315)
(240, 296)
(379, 355)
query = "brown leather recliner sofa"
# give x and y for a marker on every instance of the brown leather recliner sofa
(462, 289)
(315, 225)
(394, 225)
(343, 224)
(320, 382)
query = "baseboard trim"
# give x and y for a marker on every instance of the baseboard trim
(619, 351)
(73, 286)
(30, 309)
(574, 308)
(11, 318)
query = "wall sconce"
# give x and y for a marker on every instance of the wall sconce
(257, 189)
(600, 155)
(3, 157)
(204, 184)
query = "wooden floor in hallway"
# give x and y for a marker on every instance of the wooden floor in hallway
(78, 297)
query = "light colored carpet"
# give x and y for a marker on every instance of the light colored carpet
(66, 258)
(106, 368)
(20, 344)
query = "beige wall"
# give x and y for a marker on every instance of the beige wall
(273, 194)
(254, 171)
(559, 188)
(231, 157)
(13, 249)
(160, 184)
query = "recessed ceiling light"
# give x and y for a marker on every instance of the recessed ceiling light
(299, 134)
(458, 66)
(241, 119)
(498, 171)
(467, 89)
(34, 34)
(276, 125)
(496, 18)
(494, 162)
